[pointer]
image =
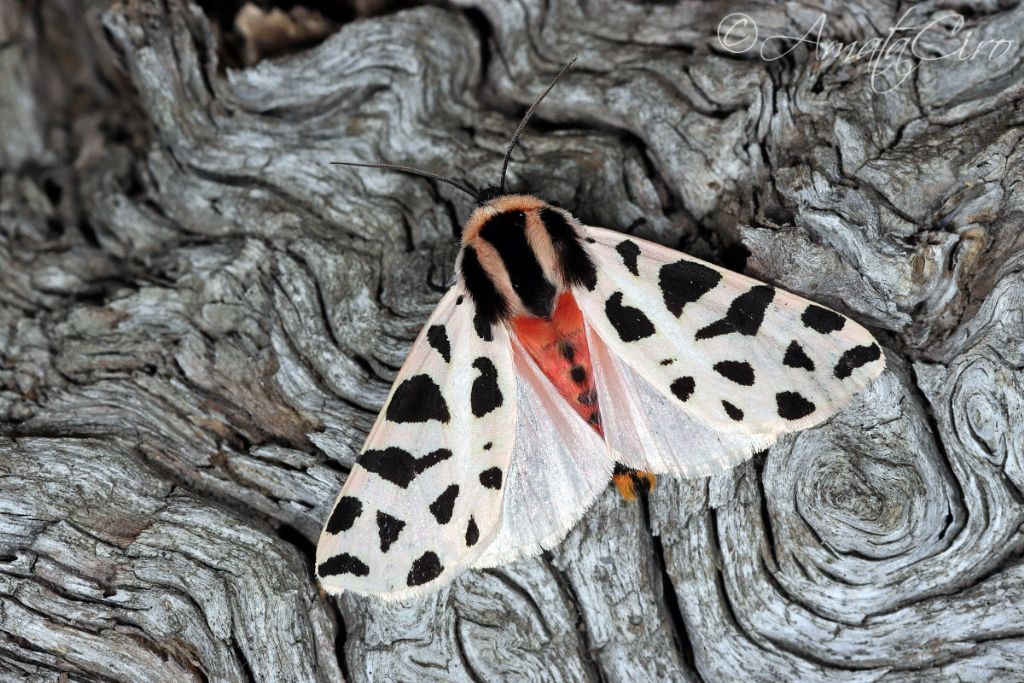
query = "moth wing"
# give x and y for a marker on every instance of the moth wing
(559, 467)
(738, 355)
(649, 432)
(423, 500)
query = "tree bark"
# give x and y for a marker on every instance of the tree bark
(200, 318)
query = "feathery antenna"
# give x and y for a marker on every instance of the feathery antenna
(526, 118)
(414, 171)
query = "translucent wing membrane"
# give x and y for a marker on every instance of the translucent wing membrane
(560, 465)
(650, 431)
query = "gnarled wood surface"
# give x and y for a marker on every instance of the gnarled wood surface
(199, 319)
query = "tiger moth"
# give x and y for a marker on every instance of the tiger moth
(563, 358)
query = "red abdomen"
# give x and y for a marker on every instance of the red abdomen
(559, 347)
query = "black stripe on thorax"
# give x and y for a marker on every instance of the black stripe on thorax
(506, 232)
(576, 265)
(490, 304)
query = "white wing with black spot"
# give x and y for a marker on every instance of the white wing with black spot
(650, 431)
(425, 496)
(737, 355)
(559, 467)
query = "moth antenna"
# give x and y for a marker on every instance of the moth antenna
(526, 118)
(415, 171)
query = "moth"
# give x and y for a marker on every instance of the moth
(563, 358)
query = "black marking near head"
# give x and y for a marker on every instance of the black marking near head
(683, 388)
(344, 515)
(732, 411)
(490, 304)
(388, 528)
(399, 466)
(437, 337)
(629, 251)
(575, 263)
(739, 371)
(442, 507)
(506, 232)
(793, 405)
(745, 314)
(472, 532)
(485, 395)
(629, 322)
(796, 357)
(855, 358)
(491, 478)
(484, 329)
(458, 302)
(342, 564)
(427, 567)
(578, 373)
(822, 320)
(418, 399)
(684, 282)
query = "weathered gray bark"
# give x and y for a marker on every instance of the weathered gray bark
(199, 319)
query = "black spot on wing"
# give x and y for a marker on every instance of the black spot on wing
(472, 532)
(684, 282)
(399, 466)
(793, 405)
(458, 302)
(573, 259)
(732, 411)
(668, 361)
(438, 339)
(567, 350)
(442, 507)
(418, 399)
(489, 303)
(822, 320)
(485, 395)
(855, 358)
(587, 398)
(426, 568)
(745, 314)
(344, 515)
(629, 322)
(738, 371)
(388, 528)
(432, 459)
(487, 446)
(796, 357)
(491, 478)
(683, 388)
(342, 564)
(629, 252)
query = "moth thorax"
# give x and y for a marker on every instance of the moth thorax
(519, 254)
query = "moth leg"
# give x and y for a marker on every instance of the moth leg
(632, 483)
